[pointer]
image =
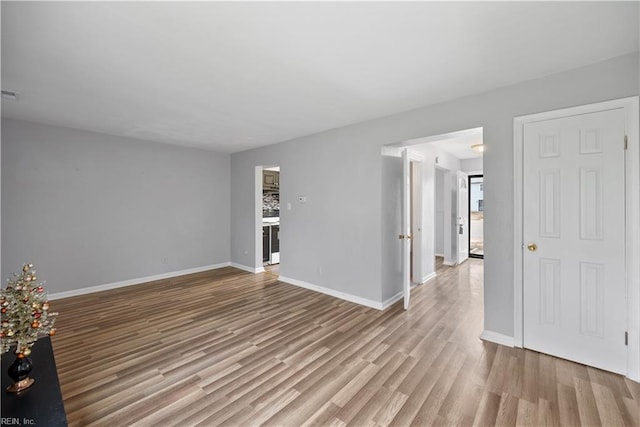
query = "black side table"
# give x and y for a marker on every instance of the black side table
(41, 404)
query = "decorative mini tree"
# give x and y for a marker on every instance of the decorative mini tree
(24, 317)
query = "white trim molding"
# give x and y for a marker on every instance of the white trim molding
(428, 277)
(632, 173)
(497, 338)
(391, 151)
(390, 301)
(342, 295)
(137, 281)
(247, 268)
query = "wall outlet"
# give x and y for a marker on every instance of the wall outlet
(164, 260)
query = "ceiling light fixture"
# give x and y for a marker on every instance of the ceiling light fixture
(478, 148)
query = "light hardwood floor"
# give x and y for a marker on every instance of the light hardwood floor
(231, 348)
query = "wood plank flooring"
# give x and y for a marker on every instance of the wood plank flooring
(231, 348)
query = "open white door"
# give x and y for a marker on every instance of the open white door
(463, 217)
(405, 227)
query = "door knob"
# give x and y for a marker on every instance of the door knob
(532, 247)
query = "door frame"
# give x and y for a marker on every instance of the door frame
(258, 188)
(466, 215)
(631, 108)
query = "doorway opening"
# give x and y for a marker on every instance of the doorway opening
(476, 216)
(458, 156)
(445, 204)
(270, 218)
(442, 228)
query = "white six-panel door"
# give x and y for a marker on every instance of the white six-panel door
(574, 285)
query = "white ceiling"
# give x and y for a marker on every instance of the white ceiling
(230, 76)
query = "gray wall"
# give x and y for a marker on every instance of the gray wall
(341, 230)
(337, 177)
(91, 209)
(471, 165)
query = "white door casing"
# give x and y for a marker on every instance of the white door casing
(577, 288)
(463, 217)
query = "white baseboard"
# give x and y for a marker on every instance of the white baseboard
(428, 277)
(247, 268)
(496, 338)
(389, 302)
(137, 281)
(440, 255)
(449, 263)
(332, 292)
